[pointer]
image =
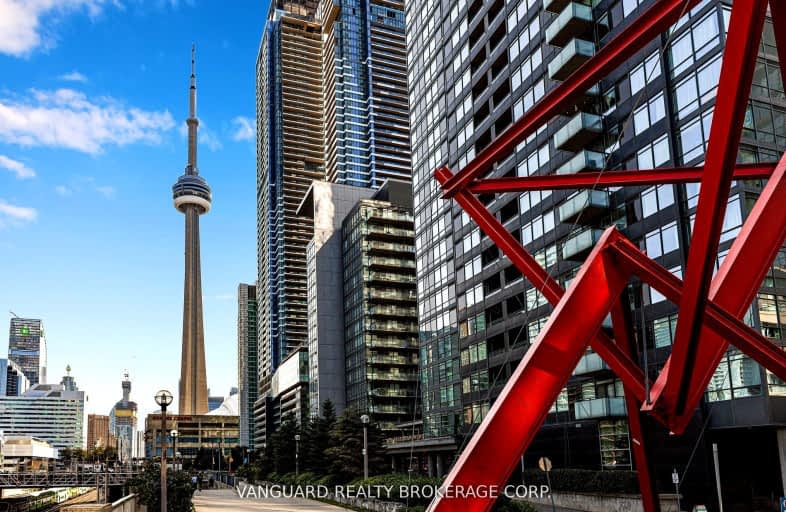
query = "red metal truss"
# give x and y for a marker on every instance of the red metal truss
(710, 308)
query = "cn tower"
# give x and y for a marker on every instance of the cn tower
(192, 197)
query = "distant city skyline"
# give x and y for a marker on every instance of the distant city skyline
(89, 241)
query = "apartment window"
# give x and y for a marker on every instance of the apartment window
(519, 13)
(656, 198)
(614, 444)
(530, 165)
(649, 114)
(561, 404)
(538, 227)
(464, 108)
(698, 88)
(645, 72)
(529, 200)
(461, 83)
(764, 123)
(528, 99)
(526, 68)
(654, 154)
(471, 297)
(526, 36)
(663, 330)
(767, 80)
(662, 240)
(737, 376)
(696, 42)
(694, 135)
(470, 269)
(460, 57)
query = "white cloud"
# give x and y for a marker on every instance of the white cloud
(64, 191)
(246, 128)
(21, 170)
(73, 76)
(26, 25)
(12, 214)
(106, 191)
(66, 118)
(206, 136)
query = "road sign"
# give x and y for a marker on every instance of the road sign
(675, 478)
(544, 463)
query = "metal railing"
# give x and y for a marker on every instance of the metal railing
(64, 479)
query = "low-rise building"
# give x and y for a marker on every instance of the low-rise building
(206, 431)
(25, 454)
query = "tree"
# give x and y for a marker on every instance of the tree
(283, 447)
(316, 439)
(346, 448)
(148, 486)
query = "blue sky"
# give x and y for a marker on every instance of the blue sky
(93, 97)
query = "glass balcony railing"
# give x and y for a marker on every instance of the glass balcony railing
(584, 160)
(573, 55)
(580, 244)
(585, 207)
(574, 20)
(398, 295)
(599, 408)
(582, 129)
(590, 363)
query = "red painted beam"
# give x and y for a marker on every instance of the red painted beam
(635, 36)
(778, 13)
(737, 281)
(517, 414)
(718, 321)
(611, 179)
(739, 60)
(650, 501)
(626, 369)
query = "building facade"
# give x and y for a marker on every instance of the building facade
(27, 348)
(289, 157)
(98, 433)
(365, 91)
(12, 379)
(194, 432)
(380, 315)
(327, 205)
(475, 68)
(48, 412)
(123, 422)
(247, 367)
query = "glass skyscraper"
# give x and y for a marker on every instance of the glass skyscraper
(365, 91)
(474, 68)
(247, 367)
(27, 348)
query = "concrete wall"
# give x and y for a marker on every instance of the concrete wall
(602, 502)
(128, 504)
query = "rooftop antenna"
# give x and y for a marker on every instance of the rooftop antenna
(13, 314)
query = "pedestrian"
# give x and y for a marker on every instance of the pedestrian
(195, 482)
(211, 481)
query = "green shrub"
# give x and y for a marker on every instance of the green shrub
(584, 480)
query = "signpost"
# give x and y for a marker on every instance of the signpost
(675, 479)
(544, 463)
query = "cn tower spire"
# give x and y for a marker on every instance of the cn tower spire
(192, 197)
(192, 121)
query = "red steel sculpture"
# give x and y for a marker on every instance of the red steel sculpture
(710, 309)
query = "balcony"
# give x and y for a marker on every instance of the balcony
(575, 53)
(582, 129)
(584, 207)
(585, 160)
(380, 310)
(393, 392)
(573, 21)
(389, 277)
(555, 6)
(392, 295)
(580, 244)
(599, 408)
(590, 363)
(396, 376)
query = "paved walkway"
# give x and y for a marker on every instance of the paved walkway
(227, 500)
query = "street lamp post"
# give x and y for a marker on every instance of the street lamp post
(163, 398)
(173, 433)
(365, 419)
(297, 454)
